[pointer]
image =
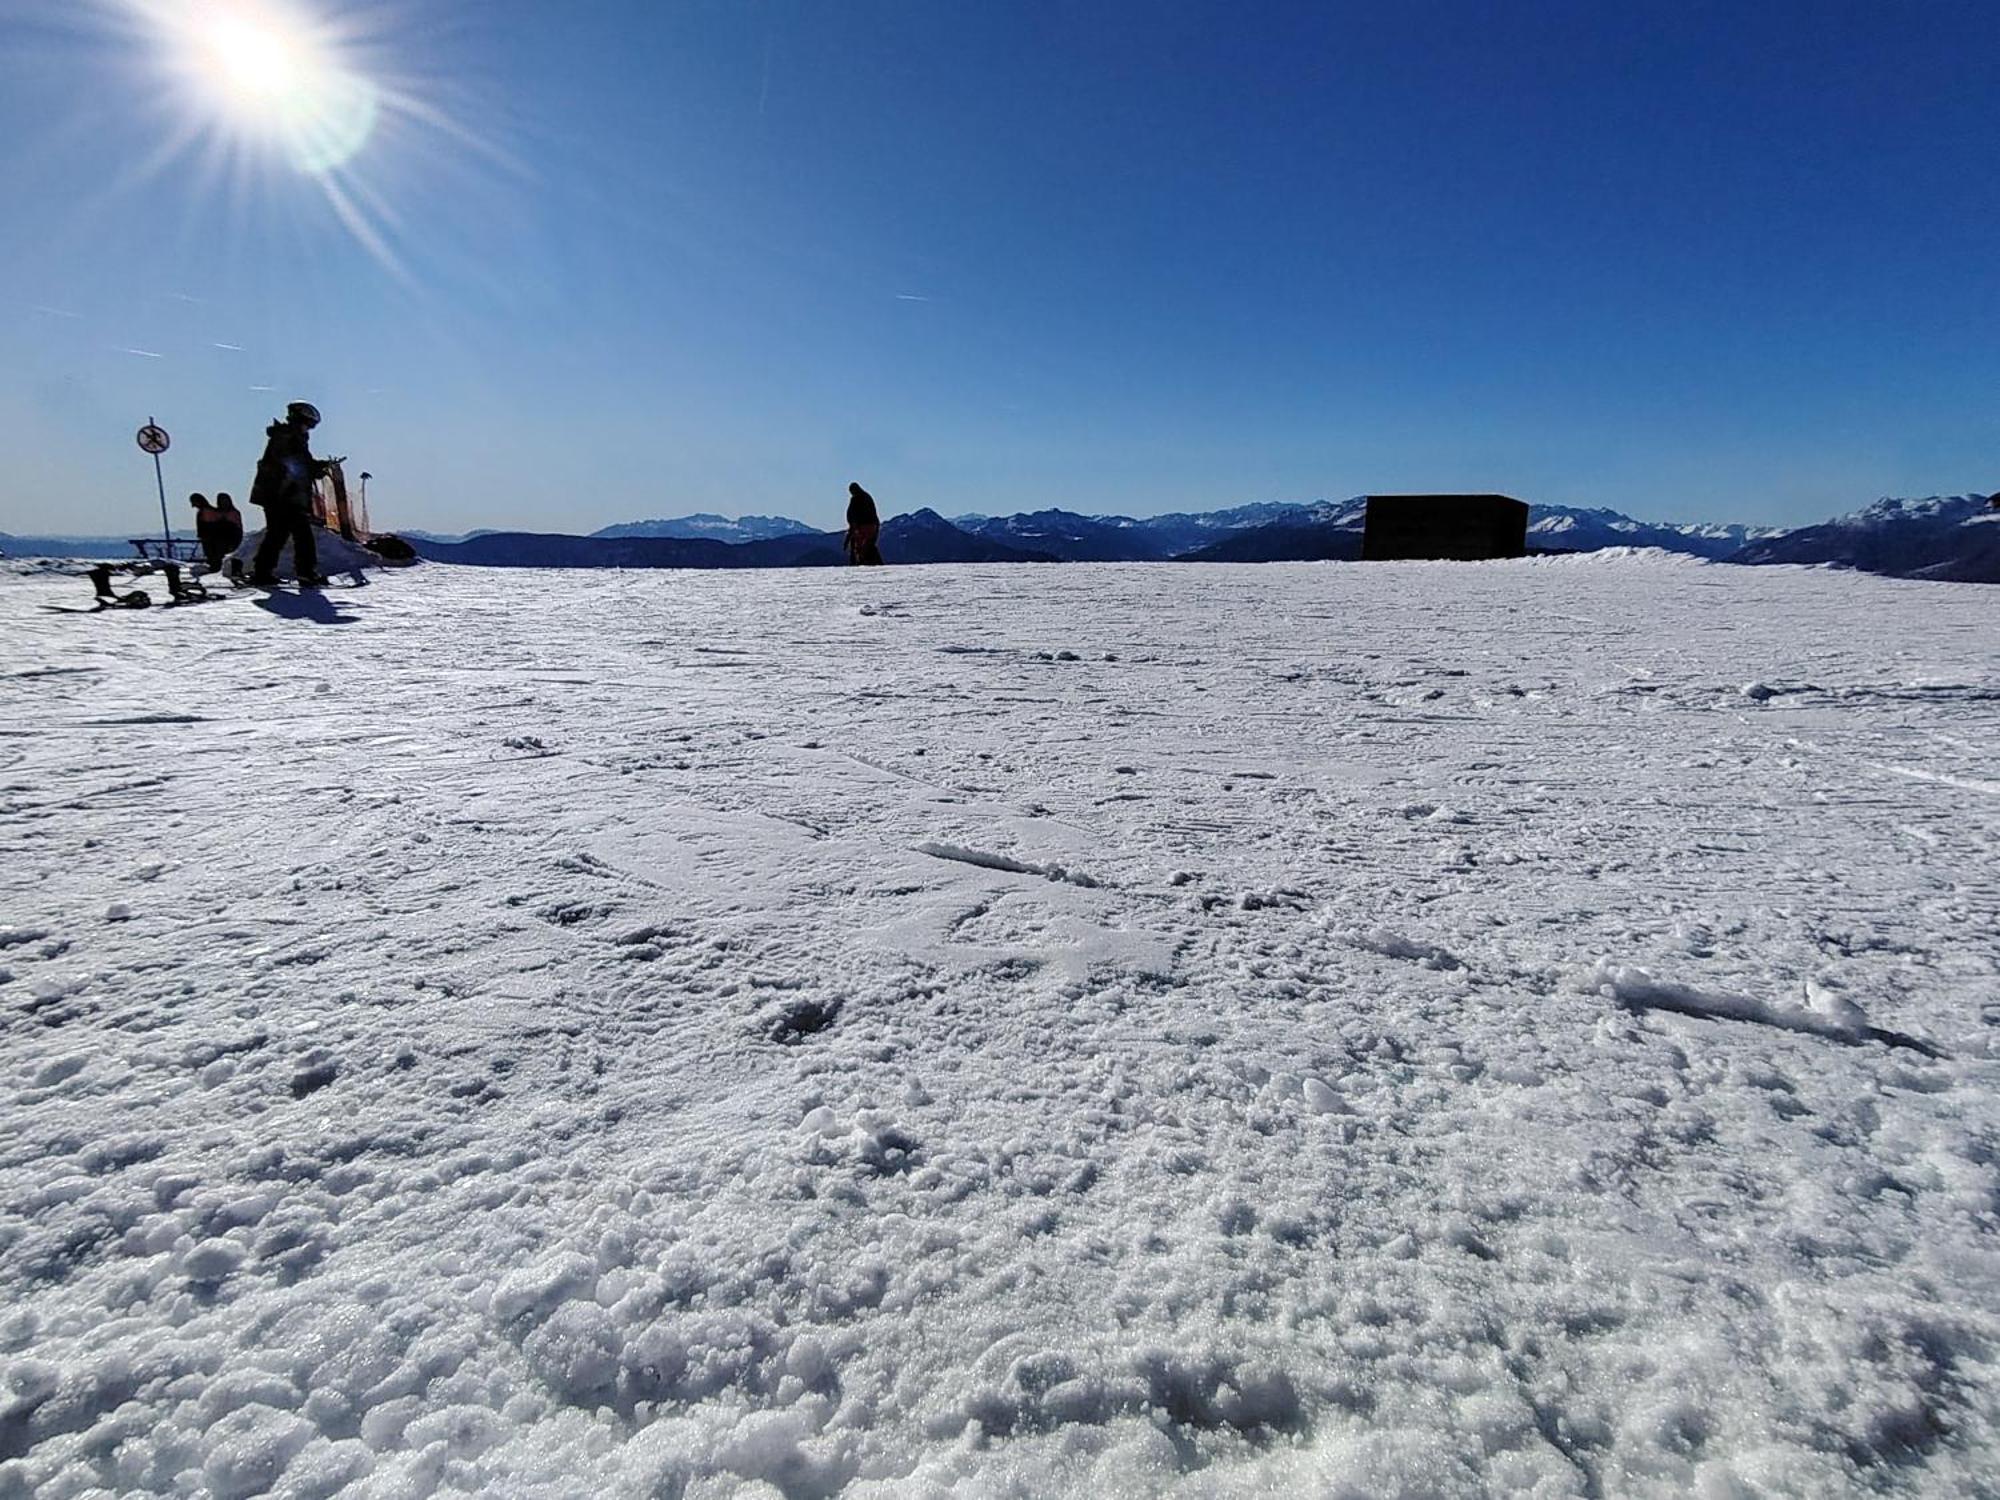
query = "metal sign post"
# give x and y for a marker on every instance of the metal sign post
(153, 439)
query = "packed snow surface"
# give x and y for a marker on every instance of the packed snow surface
(1355, 1030)
(335, 554)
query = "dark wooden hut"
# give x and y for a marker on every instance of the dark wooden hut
(1462, 527)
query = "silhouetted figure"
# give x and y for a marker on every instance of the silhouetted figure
(283, 489)
(209, 530)
(864, 528)
(230, 526)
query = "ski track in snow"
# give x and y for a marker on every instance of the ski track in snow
(1524, 1028)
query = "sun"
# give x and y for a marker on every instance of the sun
(252, 65)
(268, 73)
(258, 104)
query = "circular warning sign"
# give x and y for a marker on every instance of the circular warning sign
(154, 439)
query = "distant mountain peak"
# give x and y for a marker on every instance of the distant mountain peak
(1892, 510)
(1946, 537)
(1578, 528)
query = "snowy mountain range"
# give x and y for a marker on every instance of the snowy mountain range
(1320, 531)
(705, 524)
(1563, 528)
(1081, 538)
(920, 536)
(1949, 537)
(1075, 538)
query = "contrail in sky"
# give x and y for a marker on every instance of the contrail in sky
(145, 353)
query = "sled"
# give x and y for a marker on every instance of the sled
(182, 588)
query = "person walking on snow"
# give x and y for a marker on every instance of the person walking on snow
(864, 528)
(283, 488)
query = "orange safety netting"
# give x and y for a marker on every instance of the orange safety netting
(338, 510)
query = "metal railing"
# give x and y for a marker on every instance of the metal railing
(160, 549)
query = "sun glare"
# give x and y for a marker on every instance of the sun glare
(269, 74)
(253, 64)
(251, 93)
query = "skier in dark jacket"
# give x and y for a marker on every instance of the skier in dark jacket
(864, 528)
(283, 488)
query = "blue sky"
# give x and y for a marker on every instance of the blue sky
(1690, 260)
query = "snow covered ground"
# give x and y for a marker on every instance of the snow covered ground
(1389, 1030)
